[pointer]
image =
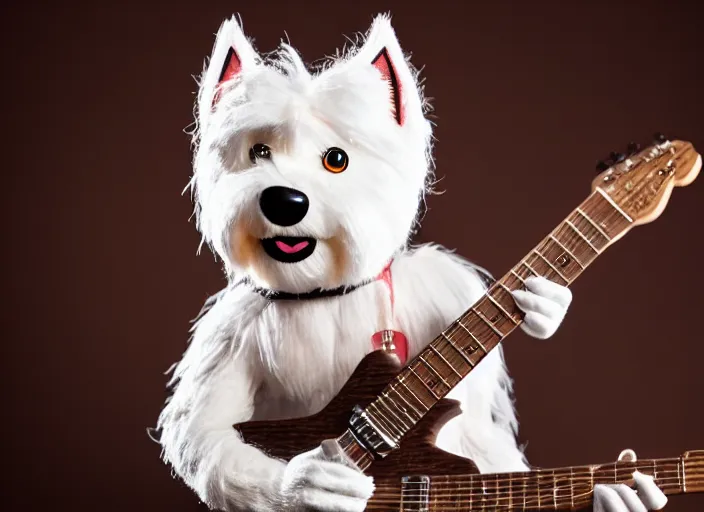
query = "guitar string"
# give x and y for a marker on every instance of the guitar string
(583, 477)
(495, 500)
(517, 503)
(502, 495)
(483, 482)
(402, 430)
(660, 466)
(531, 501)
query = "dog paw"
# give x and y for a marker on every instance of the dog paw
(545, 304)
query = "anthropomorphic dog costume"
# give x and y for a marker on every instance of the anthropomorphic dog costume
(307, 187)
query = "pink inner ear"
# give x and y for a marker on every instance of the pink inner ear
(230, 68)
(383, 63)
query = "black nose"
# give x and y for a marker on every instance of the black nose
(283, 206)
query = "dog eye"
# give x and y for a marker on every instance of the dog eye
(259, 151)
(335, 160)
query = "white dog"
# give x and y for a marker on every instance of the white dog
(307, 182)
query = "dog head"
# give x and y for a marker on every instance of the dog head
(309, 179)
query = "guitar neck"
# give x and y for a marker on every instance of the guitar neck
(568, 488)
(561, 257)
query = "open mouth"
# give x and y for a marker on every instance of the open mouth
(289, 249)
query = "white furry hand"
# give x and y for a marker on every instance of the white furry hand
(312, 482)
(544, 304)
(621, 498)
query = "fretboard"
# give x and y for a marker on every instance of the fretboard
(561, 257)
(559, 489)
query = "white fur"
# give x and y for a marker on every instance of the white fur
(251, 359)
(621, 498)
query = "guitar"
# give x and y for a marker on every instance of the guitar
(381, 404)
(568, 488)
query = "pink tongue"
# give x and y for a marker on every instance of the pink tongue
(290, 250)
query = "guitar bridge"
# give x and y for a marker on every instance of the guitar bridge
(415, 493)
(369, 434)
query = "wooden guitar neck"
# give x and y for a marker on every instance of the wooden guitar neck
(561, 257)
(615, 206)
(568, 488)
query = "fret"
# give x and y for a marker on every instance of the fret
(434, 349)
(458, 350)
(594, 225)
(496, 490)
(420, 391)
(491, 316)
(519, 277)
(572, 487)
(432, 382)
(429, 388)
(568, 266)
(539, 473)
(552, 267)
(523, 272)
(404, 414)
(501, 308)
(453, 345)
(505, 288)
(440, 366)
(574, 258)
(525, 264)
(590, 233)
(410, 388)
(510, 492)
(570, 251)
(602, 212)
(616, 472)
(402, 397)
(358, 454)
(525, 493)
(386, 405)
(545, 268)
(613, 203)
(554, 489)
(487, 322)
(581, 235)
(383, 422)
(474, 338)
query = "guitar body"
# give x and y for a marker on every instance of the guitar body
(284, 439)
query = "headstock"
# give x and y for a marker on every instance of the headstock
(641, 181)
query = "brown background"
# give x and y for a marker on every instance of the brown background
(100, 270)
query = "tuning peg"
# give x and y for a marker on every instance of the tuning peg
(601, 166)
(633, 148)
(659, 138)
(617, 157)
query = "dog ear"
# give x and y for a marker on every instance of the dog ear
(231, 54)
(382, 51)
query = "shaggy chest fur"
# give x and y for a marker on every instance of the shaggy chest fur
(317, 344)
